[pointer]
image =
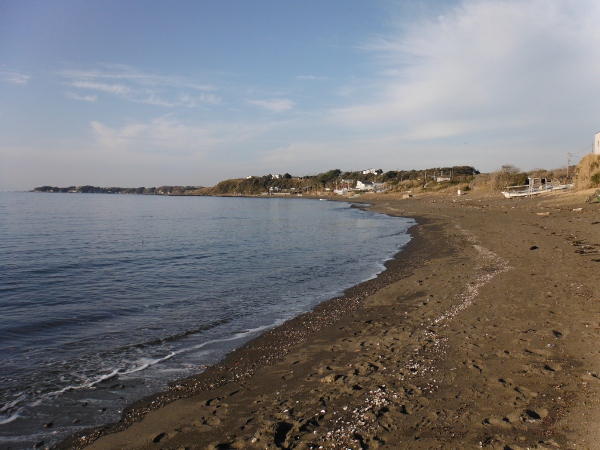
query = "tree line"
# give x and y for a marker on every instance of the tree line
(256, 185)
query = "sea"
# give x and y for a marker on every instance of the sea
(108, 298)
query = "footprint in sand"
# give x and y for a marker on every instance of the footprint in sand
(552, 367)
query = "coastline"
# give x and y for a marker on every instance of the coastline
(473, 336)
(264, 350)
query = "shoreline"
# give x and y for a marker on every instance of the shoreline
(264, 350)
(482, 332)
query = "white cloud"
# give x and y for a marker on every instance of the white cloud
(158, 135)
(155, 100)
(441, 129)
(14, 77)
(194, 100)
(132, 75)
(83, 98)
(275, 105)
(310, 78)
(184, 100)
(102, 87)
(130, 84)
(484, 66)
(169, 136)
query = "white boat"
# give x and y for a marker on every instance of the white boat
(536, 186)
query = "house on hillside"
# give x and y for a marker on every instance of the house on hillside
(364, 185)
(369, 186)
(597, 143)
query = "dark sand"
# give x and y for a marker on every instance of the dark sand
(483, 333)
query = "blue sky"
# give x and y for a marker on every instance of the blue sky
(151, 93)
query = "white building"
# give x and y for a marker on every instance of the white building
(364, 185)
(597, 144)
(369, 186)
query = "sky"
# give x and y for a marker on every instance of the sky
(153, 93)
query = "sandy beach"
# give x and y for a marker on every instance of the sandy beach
(484, 332)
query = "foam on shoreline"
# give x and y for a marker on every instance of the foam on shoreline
(447, 348)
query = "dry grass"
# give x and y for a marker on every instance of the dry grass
(588, 172)
(569, 198)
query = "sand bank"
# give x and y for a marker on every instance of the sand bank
(483, 333)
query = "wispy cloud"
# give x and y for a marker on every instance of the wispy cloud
(130, 84)
(195, 100)
(277, 105)
(156, 135)
(101, 87)
(483, 66)
(135, 76)
(83, 98)
(14, 77)
(310, 78)
(169, 135)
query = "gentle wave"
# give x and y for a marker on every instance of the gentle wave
(146, 290)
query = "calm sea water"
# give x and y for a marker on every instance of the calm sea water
(105, 299)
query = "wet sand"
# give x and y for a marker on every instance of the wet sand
(483, 333)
